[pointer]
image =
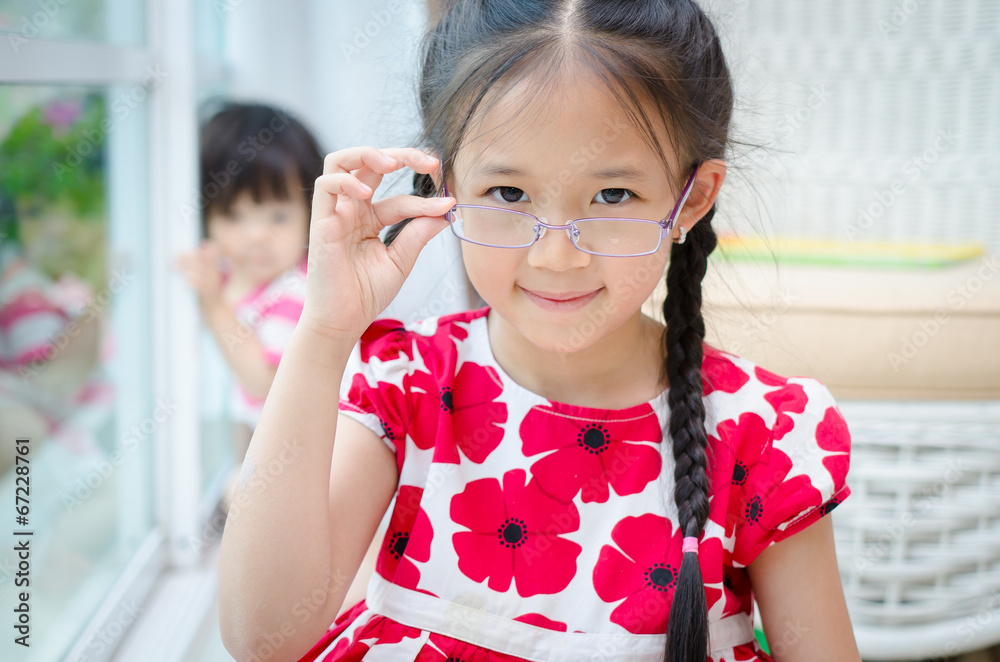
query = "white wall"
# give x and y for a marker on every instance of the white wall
(349, 70)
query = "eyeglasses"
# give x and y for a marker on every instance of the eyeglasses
(606, 236)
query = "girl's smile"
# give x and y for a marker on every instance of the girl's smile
(561, 302)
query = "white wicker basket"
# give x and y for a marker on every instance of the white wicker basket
(918, 540)
(852, 98)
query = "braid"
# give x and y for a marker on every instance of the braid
(687, 625)
(423, 185)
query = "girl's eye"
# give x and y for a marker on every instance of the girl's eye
(614, 195)
(507, 193)
(280, 217)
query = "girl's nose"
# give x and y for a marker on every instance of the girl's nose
(259, 231)
(555, 250)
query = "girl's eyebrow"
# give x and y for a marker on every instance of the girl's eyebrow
(618, 172)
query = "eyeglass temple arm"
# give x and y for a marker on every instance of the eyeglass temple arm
(667, 227)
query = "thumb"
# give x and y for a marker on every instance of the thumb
(405, 248)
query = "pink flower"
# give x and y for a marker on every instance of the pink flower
(476, 417)
(719, 373)
(832, 435)
(385, 339)
(749, 433)
(514, 535)
(590, 455)
(407, 539)
(789, 398)
(711, 557)
(392, 406)
(62, 113)
(644, 572)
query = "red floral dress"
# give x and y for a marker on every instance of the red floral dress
(527, 529)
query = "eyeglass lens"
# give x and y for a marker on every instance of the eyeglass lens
(509, 230)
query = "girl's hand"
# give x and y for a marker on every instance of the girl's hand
(352, 276)
(201, 271)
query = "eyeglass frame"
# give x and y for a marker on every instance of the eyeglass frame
(666, 224)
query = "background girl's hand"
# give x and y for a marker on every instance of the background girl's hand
(352, 276)
(201, 270)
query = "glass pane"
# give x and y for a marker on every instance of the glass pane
(75, 378)
(118, 22)
(222, 439)
(616, 237)
(494, 227)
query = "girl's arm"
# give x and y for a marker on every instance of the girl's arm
(314, 487)
(238, 343)
(240, 347)
(797, 586)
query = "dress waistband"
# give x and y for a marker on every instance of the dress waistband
(481, 628)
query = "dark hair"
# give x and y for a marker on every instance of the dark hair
(255, 148)
(663, 54)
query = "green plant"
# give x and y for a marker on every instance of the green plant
(54, 153)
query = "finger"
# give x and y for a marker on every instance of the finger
(330, 187)
(353, 158)
(370, 163)
(404, 157)
(405, 248)
(393, 210)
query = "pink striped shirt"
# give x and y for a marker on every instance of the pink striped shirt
(29, 317)
(271, 310)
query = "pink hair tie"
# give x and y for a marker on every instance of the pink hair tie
(690, 545)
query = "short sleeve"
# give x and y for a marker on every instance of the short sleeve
(375, 388)
(801, 474)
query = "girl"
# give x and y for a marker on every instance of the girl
(258, 165)
(572, 480)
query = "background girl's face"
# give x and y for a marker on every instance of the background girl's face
(262, 240)
(578, 156)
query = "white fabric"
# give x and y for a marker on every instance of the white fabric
(530, 642)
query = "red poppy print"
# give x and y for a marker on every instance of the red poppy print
(515, 535)
(790, 398)
(340, 625)
(477, 419)
(379, 631)
(589, 456)
(542, 622)
(719, 373)
(832, 435)
(445, 649)
(407, 539)
(430, 403)
(643, 570)
(711, 557)
(386, 401)
(386, 339)
(412, 410)
(747, 435)
(771, 498)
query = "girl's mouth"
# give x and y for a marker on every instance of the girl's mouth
(561, 304)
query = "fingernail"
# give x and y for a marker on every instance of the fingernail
(366, 188)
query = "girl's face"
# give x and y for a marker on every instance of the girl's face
(262, 240)
(579, 157)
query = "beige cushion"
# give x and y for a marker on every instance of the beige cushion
(908, 333)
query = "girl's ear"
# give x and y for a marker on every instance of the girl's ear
(436, 175)
(707, 184)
